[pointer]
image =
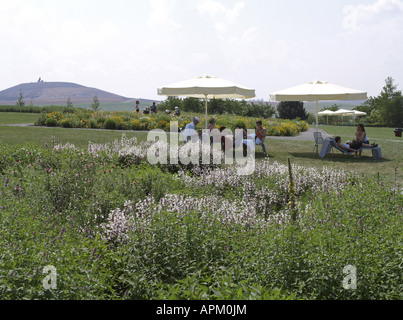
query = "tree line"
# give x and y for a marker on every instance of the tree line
(386, 109)
(259, 109)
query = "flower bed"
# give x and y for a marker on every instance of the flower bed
(123, 120)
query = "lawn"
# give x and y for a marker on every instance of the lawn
(375, 135)
(50, 136)
(389, 169)
(18, 117)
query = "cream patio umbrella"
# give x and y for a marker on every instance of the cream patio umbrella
(207, 87)
(359, 113)
(318, 91)
(326, 113)
(343, 112)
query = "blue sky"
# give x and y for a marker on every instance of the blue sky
(133, 47)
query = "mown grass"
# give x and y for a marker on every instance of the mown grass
(388, 169)
(375, 134)
(18, 117)
(42, 136)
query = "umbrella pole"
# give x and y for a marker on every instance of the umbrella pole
(317, 116)
(206, 111)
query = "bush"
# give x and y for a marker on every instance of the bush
(110, 124)
(51, 122)
(238, 124)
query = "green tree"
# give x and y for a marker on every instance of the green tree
(260, 110)
(170, 103)
(291, 110)
(69, 103)
(95, 105)
(333, 107)
(217, 106)
(387, 108)
(20, 101)
(193, 105)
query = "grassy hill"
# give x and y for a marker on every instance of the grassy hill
(57, 93)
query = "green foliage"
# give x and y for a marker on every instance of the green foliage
(220, 106)
(95, 104)
(333, 107)
(192, 105)
(292, 110)
(20, 101)
(110, 124)
(51, 122)
(387, 108)
(192, 235)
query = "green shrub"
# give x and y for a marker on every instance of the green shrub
(238, 124)
(93, 124)
(110, 124)
(51, 122)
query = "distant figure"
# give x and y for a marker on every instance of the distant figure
(137, 106)
(177, 112)
(167, 111)
(154, 108)
(146, 110)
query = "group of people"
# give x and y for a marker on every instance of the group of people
(226, 141)
(361, 141)
(147, 110)
(153, 109)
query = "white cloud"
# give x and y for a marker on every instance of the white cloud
(377, 12)
(220, 14)
(161, 14)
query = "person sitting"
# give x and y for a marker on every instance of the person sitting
(212, 129)
(247, 141)
(260, 135)
(226, 141)
(190, 130)
(146, 110)
(361, 136)
(177, 112)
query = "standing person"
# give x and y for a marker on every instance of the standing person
(154, 108)
(137, 106)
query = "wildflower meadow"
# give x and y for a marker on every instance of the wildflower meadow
(113, 226)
